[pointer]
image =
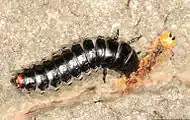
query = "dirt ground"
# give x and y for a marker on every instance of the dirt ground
(31, 30)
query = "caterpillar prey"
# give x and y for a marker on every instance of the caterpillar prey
(160, 48)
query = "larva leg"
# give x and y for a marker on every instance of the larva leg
(162, 56)
(154, 44)
(120, 83)
(172, 55)
(80, 77)
(134, 40)
(89, 72)
(139, 52)
(105, 71)
(115, 35)
(167, 52)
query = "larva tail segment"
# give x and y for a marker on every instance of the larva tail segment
(17, 81)
(160, 48)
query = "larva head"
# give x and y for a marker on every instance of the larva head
(167, 39)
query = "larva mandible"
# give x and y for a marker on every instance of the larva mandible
(104, 52)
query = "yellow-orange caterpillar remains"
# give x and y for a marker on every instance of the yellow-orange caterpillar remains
(160, 48)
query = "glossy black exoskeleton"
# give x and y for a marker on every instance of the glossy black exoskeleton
(102, 52)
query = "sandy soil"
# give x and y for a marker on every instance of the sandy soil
(34, 29)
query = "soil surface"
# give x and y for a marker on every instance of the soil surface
(31, 30)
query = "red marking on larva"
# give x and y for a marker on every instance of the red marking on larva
(20, 80)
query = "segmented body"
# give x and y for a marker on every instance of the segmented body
(103, 52)
(160, 48)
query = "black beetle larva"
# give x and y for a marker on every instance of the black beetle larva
(103, 52)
